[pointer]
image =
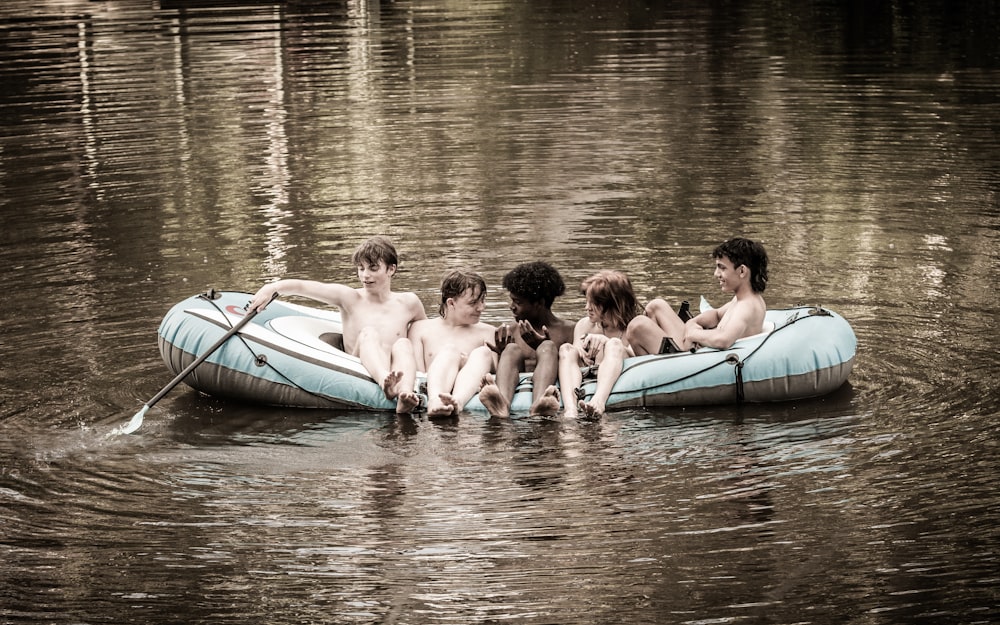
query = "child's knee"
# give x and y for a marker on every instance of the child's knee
(546, 349)
(511, 350)
(615, 346)
(567, 350)
(655, 305)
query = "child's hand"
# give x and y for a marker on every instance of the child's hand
(591, 347)
(262, 298)
(532, 337)
(503, 336)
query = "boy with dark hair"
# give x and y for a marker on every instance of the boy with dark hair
(375, 319)
(530, 343)
(741, 269)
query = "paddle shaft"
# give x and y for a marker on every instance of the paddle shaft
(200, 359)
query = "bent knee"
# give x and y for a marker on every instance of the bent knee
(511, 350)
(655, 305)
(615, 346)
(546, 348)
(567, 350)
(402, 344)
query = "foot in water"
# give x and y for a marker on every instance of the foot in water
(442, 406)
(390, 384)
(492, 398)
(406, 400)
(547, 405)
(407, 403)
(588, 411)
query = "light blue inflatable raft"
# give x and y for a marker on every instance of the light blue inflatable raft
(286, 356)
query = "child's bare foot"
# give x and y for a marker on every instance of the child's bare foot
(588, 411)
(390, 384)
(547, 405)
(493, 399)
(443, 406)
(407, 402)
(570, 407)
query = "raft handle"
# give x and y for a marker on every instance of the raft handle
(734, 360)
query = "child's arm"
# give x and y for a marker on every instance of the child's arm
(328, 293)
(416, 339)
(721, 335)
(711, 317)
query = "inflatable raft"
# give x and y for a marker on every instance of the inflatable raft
(287, 355)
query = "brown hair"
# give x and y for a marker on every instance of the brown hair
(458, 281)
(375, 250)
(612, 293)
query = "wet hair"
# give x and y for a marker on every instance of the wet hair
(536, 282)
(742, 251)
(456, 282)
(375, 250)
(612, 293)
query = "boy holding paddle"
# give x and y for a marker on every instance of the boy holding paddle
(375, 318)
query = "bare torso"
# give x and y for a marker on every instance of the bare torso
(390, 317)
(431, 335)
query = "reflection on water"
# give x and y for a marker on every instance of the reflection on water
(151, 150)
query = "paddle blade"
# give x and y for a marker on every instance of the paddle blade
(132, 425)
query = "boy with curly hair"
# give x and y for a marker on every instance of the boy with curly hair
(530, 343)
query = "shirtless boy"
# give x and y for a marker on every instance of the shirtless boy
(531, 342)
(375, 318)
(741, 269)
(454, 348)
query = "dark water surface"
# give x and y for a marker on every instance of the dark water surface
(150, 150)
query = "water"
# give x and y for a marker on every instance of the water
(150, 150)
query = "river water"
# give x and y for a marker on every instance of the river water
(150, 150)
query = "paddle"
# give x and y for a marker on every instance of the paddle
(136, 421)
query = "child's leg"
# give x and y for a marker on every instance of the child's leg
(496, 393)
(645, 336)
(546, 369)
(441, 376)
(375, 359)
(544, 396)
(607, 374)
(570, 377)
(404, 370)
(469, 378)
(509, 368)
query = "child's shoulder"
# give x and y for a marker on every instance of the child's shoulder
(562, 329)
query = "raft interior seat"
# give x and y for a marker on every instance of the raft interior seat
(320, 334)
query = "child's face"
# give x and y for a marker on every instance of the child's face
(729, 277)
(594, 312)
(468, 307)
(522, 308)
(373, 275)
